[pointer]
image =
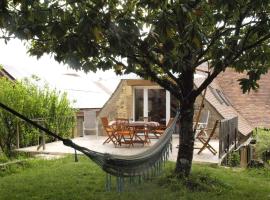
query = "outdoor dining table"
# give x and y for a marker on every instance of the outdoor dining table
(139, 124)
(140, 129)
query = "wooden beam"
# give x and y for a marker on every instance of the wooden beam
(140, 82)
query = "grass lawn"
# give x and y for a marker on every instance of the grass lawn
(63, 179)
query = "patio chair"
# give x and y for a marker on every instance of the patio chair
(158, 131)
(205, 140)
(202, 124)
(110, 131)
(89, 123)
(124, 132)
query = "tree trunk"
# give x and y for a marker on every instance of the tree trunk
(186, 139)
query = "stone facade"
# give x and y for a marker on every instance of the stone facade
(119, 105)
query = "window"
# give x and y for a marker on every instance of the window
(153, 104)
(157, 105)
(222, 99)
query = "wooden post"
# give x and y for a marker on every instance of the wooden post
(43, 140)
(243, 157)
(18, 136)
(74, 128)
(200, 110)
(202, 102)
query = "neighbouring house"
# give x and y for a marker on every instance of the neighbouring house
(253, 106)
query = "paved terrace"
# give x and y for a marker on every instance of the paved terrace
(96, 143)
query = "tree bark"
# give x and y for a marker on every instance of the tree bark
(186, 139)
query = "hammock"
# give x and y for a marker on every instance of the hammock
(142, 165)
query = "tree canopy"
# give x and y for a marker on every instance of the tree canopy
(154, 39)
(162, 40)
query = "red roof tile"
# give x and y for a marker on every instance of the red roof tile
(253, 106)
(226, 111)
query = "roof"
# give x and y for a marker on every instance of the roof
(216, 97)
(253, 106)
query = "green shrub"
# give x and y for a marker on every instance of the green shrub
(234, 159)
(262, 137)
(3, 158)
(47, 107)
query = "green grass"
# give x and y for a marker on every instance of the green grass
(63, 179)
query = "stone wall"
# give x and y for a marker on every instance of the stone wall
(119, 105)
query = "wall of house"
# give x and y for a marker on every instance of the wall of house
(119, 105)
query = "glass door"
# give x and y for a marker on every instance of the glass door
(150, 104)
(157, 105)
(138, 104)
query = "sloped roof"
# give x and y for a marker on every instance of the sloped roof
(225, 110)
(253, 106)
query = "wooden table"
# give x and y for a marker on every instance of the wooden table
(139, 130)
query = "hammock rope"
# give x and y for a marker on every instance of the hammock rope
(140, 166)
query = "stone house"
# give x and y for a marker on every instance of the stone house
(138, 99)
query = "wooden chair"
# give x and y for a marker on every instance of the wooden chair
(124, 132)
(141, 134)
(205, 140)
(201, 126)
(110, 131)
(158, 131)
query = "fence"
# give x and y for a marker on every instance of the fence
(227, 136)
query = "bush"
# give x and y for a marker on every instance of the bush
(3, 158)
(233, 159)
(47, 107)
(262, 145)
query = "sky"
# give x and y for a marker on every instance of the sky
(83, 88)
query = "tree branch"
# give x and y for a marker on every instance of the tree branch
(266, 37)
(165, 83)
